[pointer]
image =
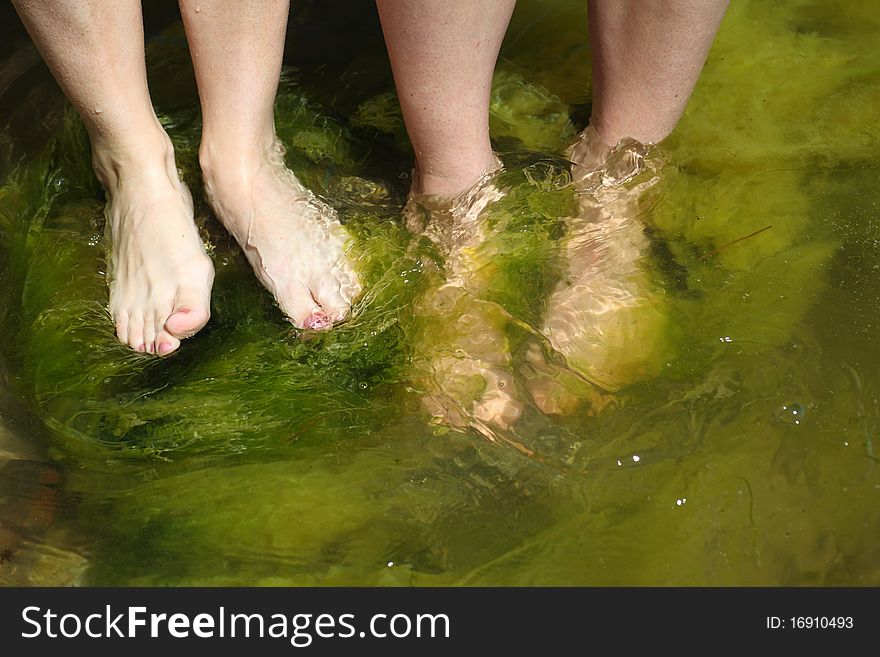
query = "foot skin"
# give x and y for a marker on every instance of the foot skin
(605, 316)
(160, 276)
(294, 242)
(464, 366)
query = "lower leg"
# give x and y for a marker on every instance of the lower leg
(647, 56)
(160, 275)
(236, 49)
(95, 51)
(443, 55)
(294, 243)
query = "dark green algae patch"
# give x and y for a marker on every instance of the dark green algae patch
(259, 454)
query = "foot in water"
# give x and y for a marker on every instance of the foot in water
(604, 316)
(464, 366)
(160, 276)
(293, 241)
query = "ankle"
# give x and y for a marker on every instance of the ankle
(611, 133)
(451, 181)
(149, 155)
(226, 162)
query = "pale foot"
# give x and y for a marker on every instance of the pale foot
(293, 241)
(160, 276)
(464, 364)
(466, 370)
(604, 316)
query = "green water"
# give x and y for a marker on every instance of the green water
(737, 445)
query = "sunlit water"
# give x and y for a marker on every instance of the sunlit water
(675, 385)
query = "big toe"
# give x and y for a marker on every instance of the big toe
(302, 310)
(327, 293)
(187, 319)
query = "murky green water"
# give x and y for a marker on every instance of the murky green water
(722, 427)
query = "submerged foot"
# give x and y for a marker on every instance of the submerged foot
(160, 276)
(293, 241)
(605, 316)
(452, 222)
(455, 225)
(464, 367)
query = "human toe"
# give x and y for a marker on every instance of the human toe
(135, 335)
(188, 318)
(166, 343)
(302, 309)
(121, 323)
(328, 294)
(150, 333)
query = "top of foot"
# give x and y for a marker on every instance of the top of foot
(160, 276)
(294, 242)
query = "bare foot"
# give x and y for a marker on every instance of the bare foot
(294, 242)
(464, 365)
(160, 277)
(604, 316)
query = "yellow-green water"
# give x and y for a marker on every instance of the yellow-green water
(738, 445)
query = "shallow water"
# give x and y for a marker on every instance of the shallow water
(715, 423)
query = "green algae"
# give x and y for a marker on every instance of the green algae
(263, 455)
(70, 354)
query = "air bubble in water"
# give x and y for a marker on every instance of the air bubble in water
(791, 413)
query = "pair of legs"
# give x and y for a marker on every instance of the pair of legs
(647, 56)
(161, 277)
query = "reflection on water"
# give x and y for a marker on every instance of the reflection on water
(674, 364)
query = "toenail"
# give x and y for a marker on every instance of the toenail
(164, 348)
(318, 320)
(141, 347)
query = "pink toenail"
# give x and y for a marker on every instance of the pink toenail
(141, 347)
(317, 321)
(164, 348)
